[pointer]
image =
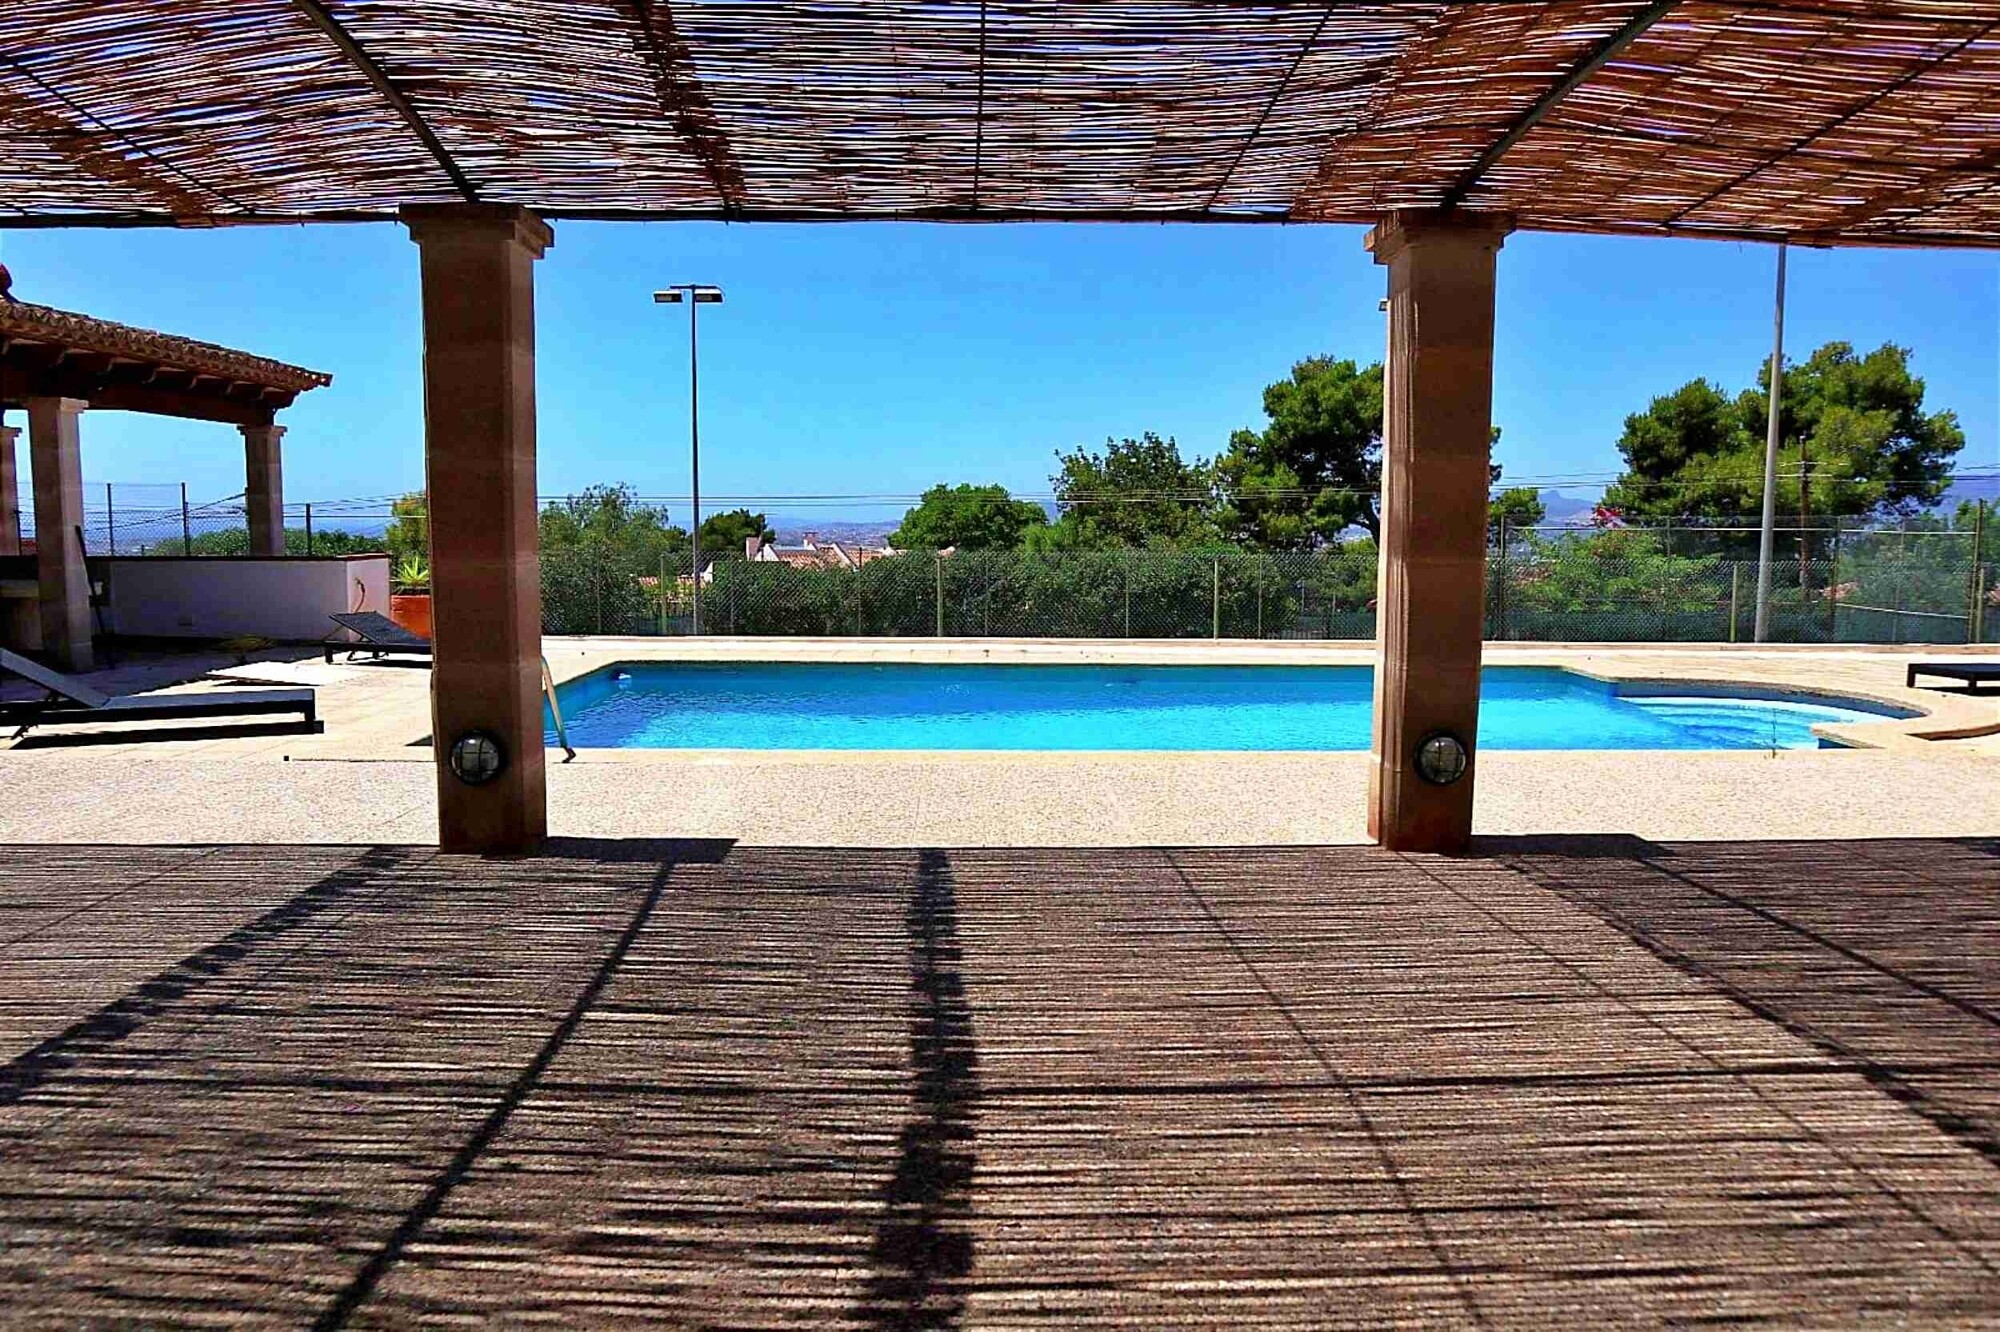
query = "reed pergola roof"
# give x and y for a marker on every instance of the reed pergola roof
(1837, 121)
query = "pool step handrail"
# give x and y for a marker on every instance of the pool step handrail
(555, 710)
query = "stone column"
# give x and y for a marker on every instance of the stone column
(56, 455)
(264, 488)
(1436, 444)
(10, 493)
(477, 265)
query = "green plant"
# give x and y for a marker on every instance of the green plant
(412, 575)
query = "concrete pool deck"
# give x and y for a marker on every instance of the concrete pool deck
(368, 778)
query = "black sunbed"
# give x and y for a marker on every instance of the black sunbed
(71, 700)
(380, 636)
(1971, 674)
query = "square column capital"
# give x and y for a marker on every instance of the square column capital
(1407, 228)
(447, 224)
(58, 406)
(264, 434)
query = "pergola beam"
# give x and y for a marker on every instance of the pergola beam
(118, 393)
(399, 101)
(979, 110)
(1595, 59)
(682, 98)
(82, 143)
(1805, 141)
(1978, 169)
(1277, 95)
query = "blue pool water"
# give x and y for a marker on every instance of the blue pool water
(800, 706)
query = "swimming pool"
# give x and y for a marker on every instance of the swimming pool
(676, 705)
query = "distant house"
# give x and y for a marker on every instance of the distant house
(812, 553)
(682, 583)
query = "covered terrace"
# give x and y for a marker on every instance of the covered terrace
(1574, 1081)
(54, 366)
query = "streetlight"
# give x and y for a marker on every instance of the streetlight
(695, 295)
(1767, 529)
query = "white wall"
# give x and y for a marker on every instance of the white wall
(224, 596)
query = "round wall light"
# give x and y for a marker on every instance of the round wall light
(1441, 758)
(477, 757)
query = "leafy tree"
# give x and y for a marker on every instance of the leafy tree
(603, 554)
(612, 519)
(1620, 580)
(1857, 423)
(1518, 507)
(967, 517)
(1136, 492)
(1315, 470)
(409, 529)
(1689, 452)
(1860, 421)
(724, 533)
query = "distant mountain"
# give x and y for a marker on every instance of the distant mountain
(868, 532)
(1564, 508)
(1985, 486)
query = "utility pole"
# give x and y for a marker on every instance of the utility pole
(1805, 517)
(1768, 531)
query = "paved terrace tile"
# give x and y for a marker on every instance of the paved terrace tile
(1576, 1082)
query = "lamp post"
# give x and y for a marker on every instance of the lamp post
(1766, 531)
(694, 295)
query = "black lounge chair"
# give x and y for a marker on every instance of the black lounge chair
(1971, 674)
(71, 700)
(380, 637)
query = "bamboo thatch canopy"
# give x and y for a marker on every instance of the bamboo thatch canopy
(1846, 121)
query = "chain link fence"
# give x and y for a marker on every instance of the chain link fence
(1617, 586)
(143, 519)
(1920, 581)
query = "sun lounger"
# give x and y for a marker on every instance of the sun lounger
(71, 700)
(380, 636)
(1971, 674)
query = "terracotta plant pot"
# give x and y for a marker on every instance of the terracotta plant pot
(412, 611)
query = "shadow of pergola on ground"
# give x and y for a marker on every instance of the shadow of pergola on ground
(1564, 1080)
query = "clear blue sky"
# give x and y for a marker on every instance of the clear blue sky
(883, 358)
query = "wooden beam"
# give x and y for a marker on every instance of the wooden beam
(1270, 105)
(1873, 99)
(188, 405)
(322, 19)
(34, 357)
(1595, 59)
(100, 151)
(962, 216)
(114, 392)
(1928, 197)
(681, 96)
